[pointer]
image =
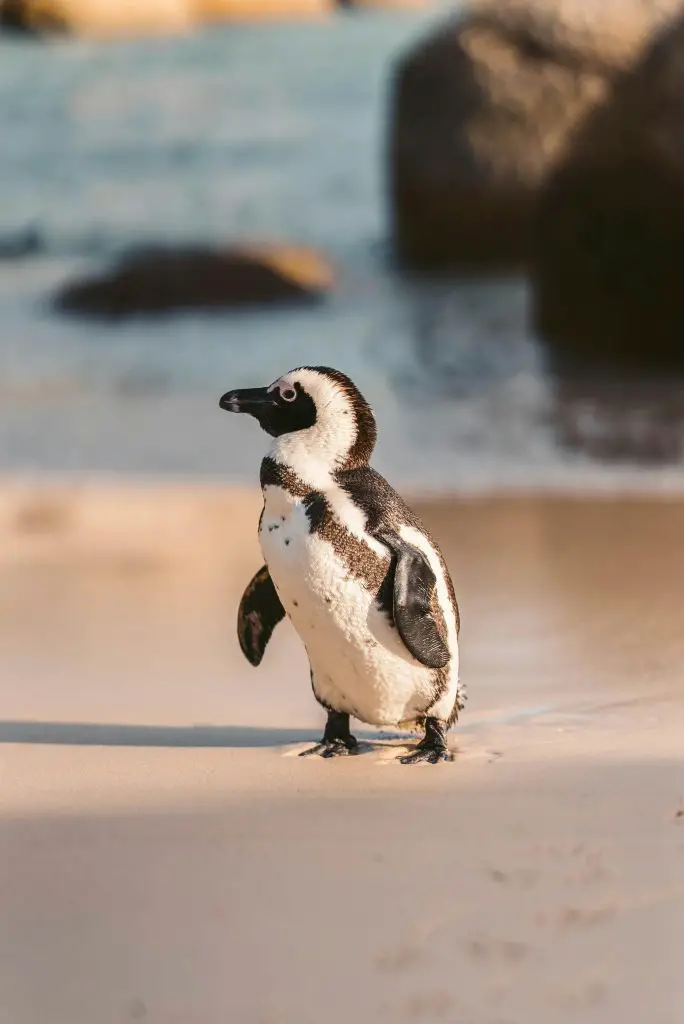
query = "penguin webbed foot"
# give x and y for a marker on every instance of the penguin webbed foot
(432, 749)
(430, 755)
(333, 748)
(337, 740)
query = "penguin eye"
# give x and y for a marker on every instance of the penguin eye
(289, 394)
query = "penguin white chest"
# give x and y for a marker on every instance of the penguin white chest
(359, 663)
(305, 569)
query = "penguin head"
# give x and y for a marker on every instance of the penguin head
(314, 412)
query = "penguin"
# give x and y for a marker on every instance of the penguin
(363, 582)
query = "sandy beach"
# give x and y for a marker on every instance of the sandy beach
(166, 857)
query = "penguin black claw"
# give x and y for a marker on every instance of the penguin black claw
(432, 755)
(337, 740)
(334, 748)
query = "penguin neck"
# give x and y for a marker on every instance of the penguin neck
(315, 465)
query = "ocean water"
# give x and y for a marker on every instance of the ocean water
(259, 133)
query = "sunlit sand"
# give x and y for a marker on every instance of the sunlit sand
(166, 856)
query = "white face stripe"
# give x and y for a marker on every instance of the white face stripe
(316, 452)
(284, 389)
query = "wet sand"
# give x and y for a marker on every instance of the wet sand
(165, 856)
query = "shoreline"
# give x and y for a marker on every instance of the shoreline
(625, 483)
(124, 504)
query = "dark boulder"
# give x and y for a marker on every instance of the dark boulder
(159, 281)
(102, 18)
(21, 245)
(114, 18)
(608, 276)
(483, 108)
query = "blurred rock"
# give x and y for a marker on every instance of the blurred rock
(380, 4)
(21, 245)
(620, 420)
(96, 17)
(609, 269)
(132, 17)
(258, 10)
(484, 107)
(157, 281)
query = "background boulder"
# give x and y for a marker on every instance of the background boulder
(483, 108)
(372, 4)
(158, 281)
(258, 10)
(96, 17)
(608, 276)
(133, 17)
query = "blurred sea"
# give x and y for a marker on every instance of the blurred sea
(264, 132)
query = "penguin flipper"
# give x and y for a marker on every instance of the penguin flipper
(414, 586)
(259, 613)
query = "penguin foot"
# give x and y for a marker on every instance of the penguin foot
(432, 748)
(432, 755)
(333, 748)
(337, 740)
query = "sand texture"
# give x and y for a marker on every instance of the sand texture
(165, 857)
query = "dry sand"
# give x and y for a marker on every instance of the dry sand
(165, 857)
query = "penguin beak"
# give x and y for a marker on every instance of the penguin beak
(252, 400)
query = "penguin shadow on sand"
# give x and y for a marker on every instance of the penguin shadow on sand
(101, 734)
(381, 745)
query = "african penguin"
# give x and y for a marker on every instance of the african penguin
(364, 584)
